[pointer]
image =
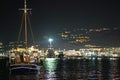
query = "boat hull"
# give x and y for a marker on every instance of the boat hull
(24, 69)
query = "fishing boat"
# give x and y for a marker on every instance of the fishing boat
(21, 60)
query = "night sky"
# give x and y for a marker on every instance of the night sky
(48, 16)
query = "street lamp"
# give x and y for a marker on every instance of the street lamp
(50, 40)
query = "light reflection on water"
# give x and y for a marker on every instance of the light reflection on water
(83, 69)
(75, 69)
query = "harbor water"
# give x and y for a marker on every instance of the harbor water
(70, 69)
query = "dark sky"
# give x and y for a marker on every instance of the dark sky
(50, 15)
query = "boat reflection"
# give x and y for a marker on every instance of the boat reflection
(24, 77)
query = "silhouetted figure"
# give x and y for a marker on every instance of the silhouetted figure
(21, 58)
(50, 53)
(61, 55)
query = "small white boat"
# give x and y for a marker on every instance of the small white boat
(3, 56)
(24, 69)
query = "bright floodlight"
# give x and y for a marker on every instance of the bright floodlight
(50, 40)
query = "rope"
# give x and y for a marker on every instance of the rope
(31, 30)
(20, 28)
(19, 36)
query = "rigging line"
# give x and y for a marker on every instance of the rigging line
(31, 30)
(20, 28)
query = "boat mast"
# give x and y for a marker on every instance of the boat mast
(25, 9)
(25, 15)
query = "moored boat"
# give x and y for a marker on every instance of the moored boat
(20, 59)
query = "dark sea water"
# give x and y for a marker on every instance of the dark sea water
(70, 69)
(4, 72)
